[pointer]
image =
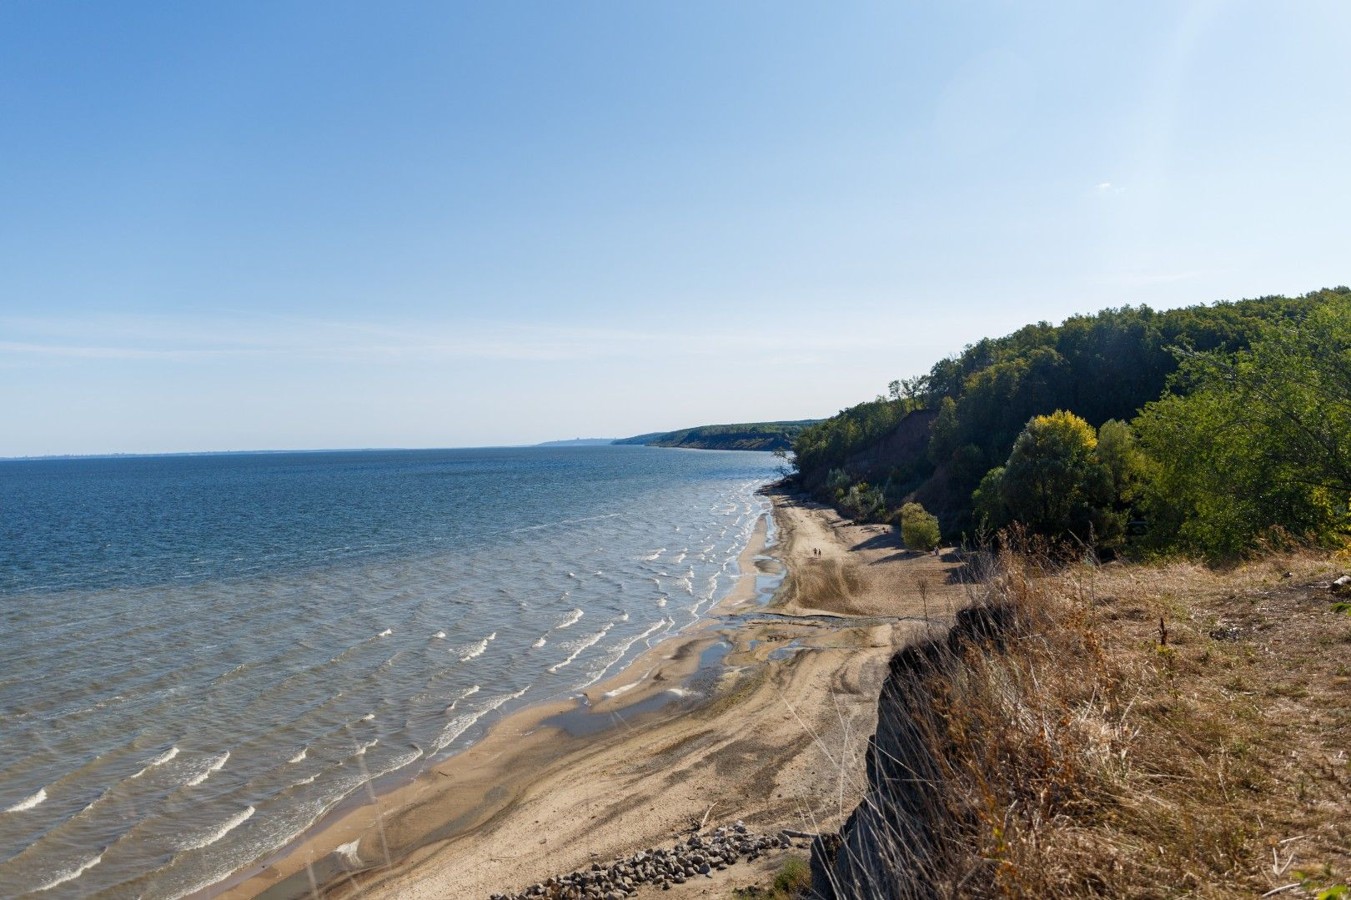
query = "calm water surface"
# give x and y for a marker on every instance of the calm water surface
(200, 655)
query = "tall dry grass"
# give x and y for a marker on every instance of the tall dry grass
(1112, 731)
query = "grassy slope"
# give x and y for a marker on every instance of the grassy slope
(1100, 752)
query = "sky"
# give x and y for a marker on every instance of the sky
(303, 225)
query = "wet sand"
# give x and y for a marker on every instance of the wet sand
(761, 713)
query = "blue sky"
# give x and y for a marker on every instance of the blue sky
(300, 225)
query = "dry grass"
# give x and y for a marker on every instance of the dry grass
(1156, 731)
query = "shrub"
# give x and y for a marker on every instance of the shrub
(919, 528)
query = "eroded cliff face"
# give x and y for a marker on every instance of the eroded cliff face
(898, 843)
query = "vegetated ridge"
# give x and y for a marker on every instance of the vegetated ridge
(744, 436)
(1205, 430)
(1154, 728)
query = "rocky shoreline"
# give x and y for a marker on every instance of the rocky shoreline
(692, 858)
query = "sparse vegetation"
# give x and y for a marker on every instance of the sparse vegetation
(792, 881)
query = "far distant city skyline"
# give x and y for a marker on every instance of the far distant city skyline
(307, 226)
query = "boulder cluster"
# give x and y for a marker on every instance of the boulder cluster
(697, 856)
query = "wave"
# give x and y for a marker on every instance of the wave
(386, 633)
(158, 761)
(28, 802)
(569, 620)
(369, 717)
(70, 874)
(440, 635)
(654, 555)
(582, 645)
(226, 827)
(540, 642)
(361, 751)
(478, 649)
(299, 756)
(216, 765)
(468, 693)
(619, 650)
(460, 724)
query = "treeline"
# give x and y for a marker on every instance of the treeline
(745, 436)
(1139, 424)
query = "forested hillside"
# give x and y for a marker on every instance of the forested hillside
(935, 438)
(745, 436)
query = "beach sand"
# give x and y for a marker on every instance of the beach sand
(760, 714)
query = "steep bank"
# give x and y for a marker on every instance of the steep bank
(1114, 731)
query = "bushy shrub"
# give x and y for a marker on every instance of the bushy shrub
(919, 528)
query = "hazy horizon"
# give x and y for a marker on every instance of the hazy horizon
(340, 226)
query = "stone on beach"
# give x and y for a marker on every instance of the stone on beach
(695, 856)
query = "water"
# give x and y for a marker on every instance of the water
(200, 655)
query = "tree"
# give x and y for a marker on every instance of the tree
(919, 528)
(1054, 482)
(1259, 447)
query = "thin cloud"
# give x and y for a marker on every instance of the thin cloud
(208, 339)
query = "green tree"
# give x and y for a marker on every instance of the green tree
(919, 528)
(1259, 447)
(1054, 482)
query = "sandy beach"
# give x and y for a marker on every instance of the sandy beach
(759, 714)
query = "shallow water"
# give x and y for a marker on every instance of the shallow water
(203, 654)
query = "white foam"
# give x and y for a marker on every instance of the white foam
(28, 802)
(158, 761)
(71, 874)
(440, 635)
(368, 717)
(569, 620)
(454, 728)
(361, 751)
(654, 555)
(456, 702)
(386, 633)
(460, 724)
(478, 649)
(348, 852)
(225, 828)
(539, 642)
(299, 756)
(216, 765)
(622, 689)
(582, 645)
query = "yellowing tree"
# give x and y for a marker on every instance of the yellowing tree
(1054, 482)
